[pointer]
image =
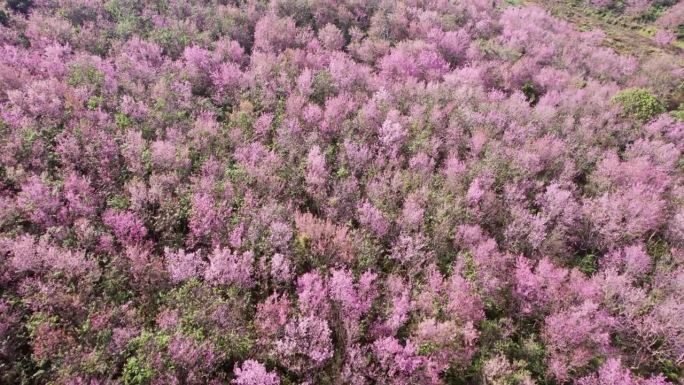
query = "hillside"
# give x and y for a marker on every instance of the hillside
(341, 192)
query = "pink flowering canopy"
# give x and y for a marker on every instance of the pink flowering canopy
(356, 192)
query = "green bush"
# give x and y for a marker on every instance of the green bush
(678, 113)
(639, 104)
(85, 74)
(137, 372)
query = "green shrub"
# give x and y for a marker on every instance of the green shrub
(531, 93)
(323, 87)
(137, 372)
(85, 74)
(588, 264)
(639, 104)
(678, 113)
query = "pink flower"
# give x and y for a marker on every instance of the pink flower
(230, 268)
(664, 37)
(307, 344)
(183, 266)
(253, 373)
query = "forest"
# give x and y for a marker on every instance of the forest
(352, 192)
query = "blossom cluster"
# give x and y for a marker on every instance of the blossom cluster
(337, 192)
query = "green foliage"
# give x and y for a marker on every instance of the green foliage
(126, 15)
(469, 271)
(368, 251)
(95, 102)
(531, 93)
(147, 160)
(80, 75)
(301, 245)
(678, 113)
(243, 118)
(639, 104)
(138, 369)
(159, 339)
(114, 286)
(522, 350)
(342, 173)
(119, 202)
(671, 371)
(470, 375)
(122, 120)
(657, 248)
(198, 303)
(323, 87)
(137, 372)
(184, 208)
(28, 136)
(533, 353)
(236, 173)
(37, 319)
(427, 348)
(120, 9)
(279, 115)
(172, 41)
(587, 264)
